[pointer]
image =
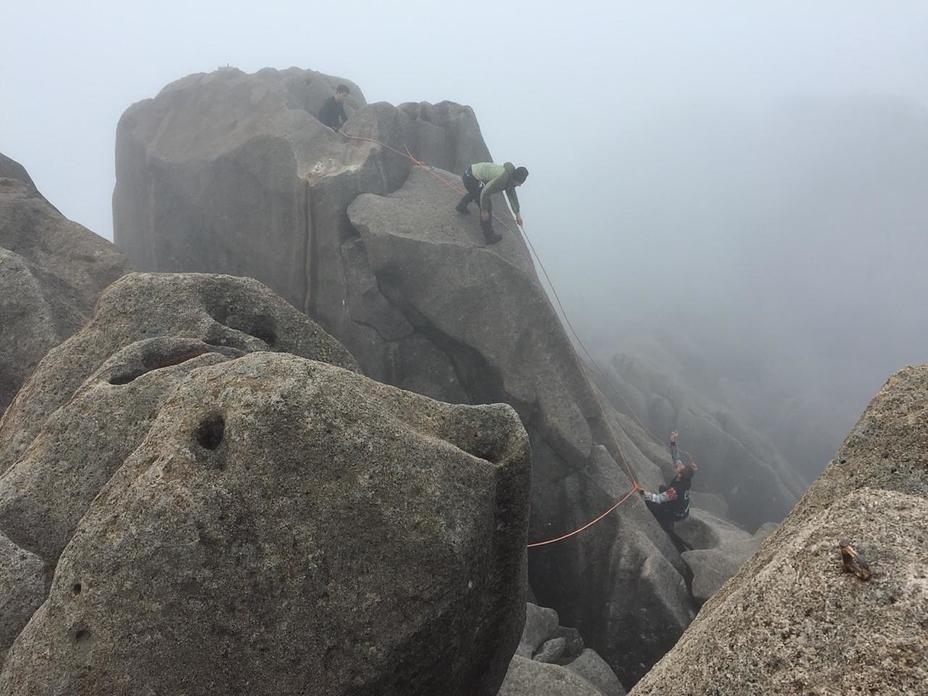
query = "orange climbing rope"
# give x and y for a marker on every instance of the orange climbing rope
(589, 524)
(563, 313)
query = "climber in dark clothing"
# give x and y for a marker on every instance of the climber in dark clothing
(672, 502)
(482, 180)
(332, 113)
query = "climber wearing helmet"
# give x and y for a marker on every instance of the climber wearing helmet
(332, 113)
(482, 180)
(672, 502)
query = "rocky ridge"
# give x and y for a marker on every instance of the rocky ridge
(791, 621)
(249, 486)
(232, 173)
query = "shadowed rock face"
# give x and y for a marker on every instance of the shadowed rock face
(790, 621)
(293, 527)
(51, 272)
(372, 249)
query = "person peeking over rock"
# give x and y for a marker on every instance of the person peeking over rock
(672, 502)
(332, 113)
(482, 180)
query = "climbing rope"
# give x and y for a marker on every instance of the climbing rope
(563, 314)
(589, 524)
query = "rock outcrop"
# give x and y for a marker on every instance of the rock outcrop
(718, 549)
(529, 678)
(548, 653)
(791, 621)
(219, 311)
(287, 526)
(92, 399)
(51, 272)
(232, 173)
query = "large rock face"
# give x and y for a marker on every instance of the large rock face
(286, 527)
(736, 461)
(51, 272)
(791, 622)
(92, 400)
(232, 173)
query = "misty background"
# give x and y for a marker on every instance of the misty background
(743, 186)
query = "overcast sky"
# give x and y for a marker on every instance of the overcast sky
(674, 147)
(550, 82)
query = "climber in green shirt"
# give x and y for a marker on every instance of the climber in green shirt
(482, 180)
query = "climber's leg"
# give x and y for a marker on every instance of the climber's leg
(473, 186)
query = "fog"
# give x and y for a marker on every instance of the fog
(747, 184)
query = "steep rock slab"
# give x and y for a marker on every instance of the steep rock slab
(219, 311)
(485, 309)
(293, 527)
(790, 621)
(51, 272)
(719, 548)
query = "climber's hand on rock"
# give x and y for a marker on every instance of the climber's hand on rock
(519, 220)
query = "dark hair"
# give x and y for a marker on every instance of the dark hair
(520, 174)
(688, 471)
(342, 89)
